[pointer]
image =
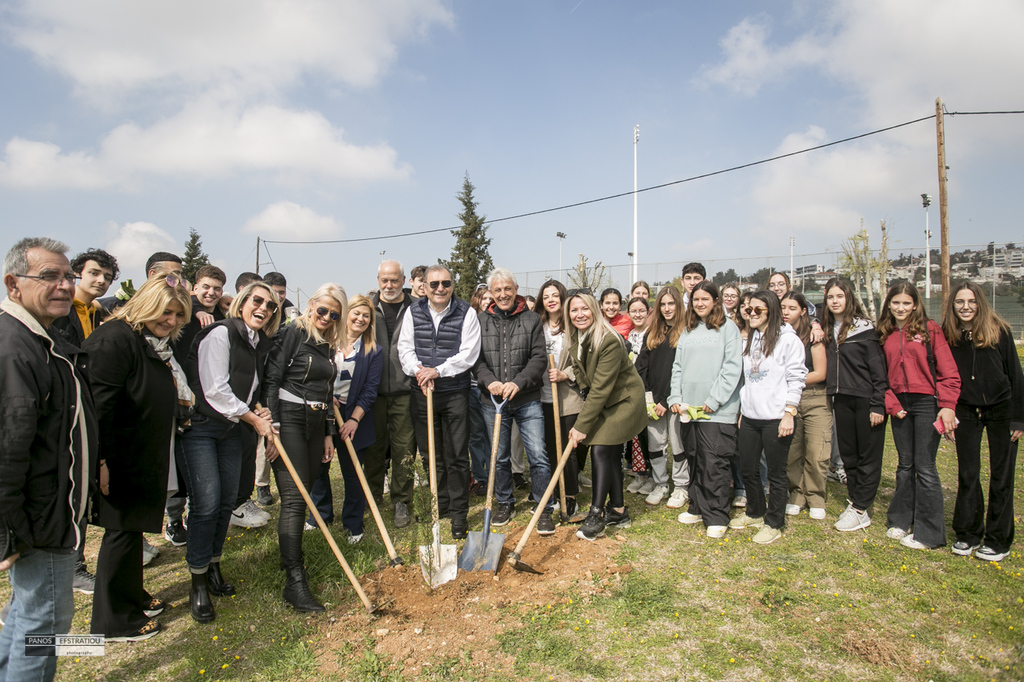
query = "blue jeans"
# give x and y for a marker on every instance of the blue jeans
(479, 437)
(213, 460)
(918, 497)
(354, 506)
(42, 604)
(530, 418)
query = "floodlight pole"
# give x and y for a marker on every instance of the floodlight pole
(636, 261)
(561, 238)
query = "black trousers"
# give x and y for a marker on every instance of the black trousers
(303, 430)
(119, 597)
(451, 447)
(970, 522)
(860, 446)
(606, 465)
(757, 435)
(247, 474)
(712, 477)
(572, 470)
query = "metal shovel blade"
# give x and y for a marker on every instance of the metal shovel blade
(440, 563)
(481, 551)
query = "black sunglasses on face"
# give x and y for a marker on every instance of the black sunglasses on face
(322, 311)
(441, 283)
(257, 301)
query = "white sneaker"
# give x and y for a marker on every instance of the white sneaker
(909, 541)
(817, 513)
(248, 515)
(149, 552)
(717, 531)
(677, 499)
(689, 519)
(767, 535)
(355, 539)
(851, 520)
(387, 485)
(793, 509)
(743, 521)
(635, 484)
(648, 487)
(739, 501)
(657, 495)
(896, 533)
(307, 526)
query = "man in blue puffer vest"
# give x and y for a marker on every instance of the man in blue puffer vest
(438, 345)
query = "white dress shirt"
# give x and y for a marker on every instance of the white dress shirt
(461, 362)
(214, 359)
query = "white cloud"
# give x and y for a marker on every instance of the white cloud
(207, 139)
(117, 45)
(286, 219)
(133, 243)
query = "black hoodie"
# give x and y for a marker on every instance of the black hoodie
(989, 376)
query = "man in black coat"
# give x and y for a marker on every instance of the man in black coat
(47, 453)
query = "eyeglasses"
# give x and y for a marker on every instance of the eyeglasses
(322, 312)
(965, 304)
(754, 310)
(440, 284)
(258, 301)
(174, 280)
(54, 277)
(575, 292)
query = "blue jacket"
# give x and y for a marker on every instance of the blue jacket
(362, 392)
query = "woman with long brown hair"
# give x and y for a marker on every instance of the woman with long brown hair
(992, 400)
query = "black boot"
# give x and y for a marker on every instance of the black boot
(199, 599)
(296, 592)
(218, 586)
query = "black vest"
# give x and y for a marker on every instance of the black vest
(244, 363)
(434, 346)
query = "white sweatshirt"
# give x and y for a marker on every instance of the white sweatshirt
(770, 383)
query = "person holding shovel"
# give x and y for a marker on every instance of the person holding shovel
(511, 368)
(438, 345)
(613, 411)
(298, 391)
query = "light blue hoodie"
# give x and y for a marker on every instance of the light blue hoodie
(770, 383)
(707, 370)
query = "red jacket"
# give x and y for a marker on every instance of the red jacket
(622, 324)
(907, 360)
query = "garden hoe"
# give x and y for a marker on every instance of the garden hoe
(440, 563)
(514, 556)
(483, 549)
(395, 559)
(370, 608)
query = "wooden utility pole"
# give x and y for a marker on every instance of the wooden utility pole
(943, 212)
(257, 255)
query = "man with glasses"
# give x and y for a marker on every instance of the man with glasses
(513, 359)
(392, 418)
(49, 435)
(438, 344)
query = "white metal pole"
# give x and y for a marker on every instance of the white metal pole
(792, 273)
(636, 258)
(926, 201)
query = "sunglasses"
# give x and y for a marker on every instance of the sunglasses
(173, 280)
(575, 292)
(323, 312)
(754, 310)
(440, 284)
(258, 301)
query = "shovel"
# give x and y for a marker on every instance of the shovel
(439, 562)
(514, 556)
(483, 549)
(395, 559)
(370, 608)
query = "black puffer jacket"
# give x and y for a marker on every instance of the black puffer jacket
(857, 366)
(655, 368)
(512, 349)
(299, 365)
(48, 445)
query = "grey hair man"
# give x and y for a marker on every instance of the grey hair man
(392, 416)
(49, 435)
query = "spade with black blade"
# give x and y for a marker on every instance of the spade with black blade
(514, 556)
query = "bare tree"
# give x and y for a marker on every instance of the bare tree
(594, 278)
(865, 270)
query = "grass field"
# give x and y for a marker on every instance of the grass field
(815, 605)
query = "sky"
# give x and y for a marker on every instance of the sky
(123, 124)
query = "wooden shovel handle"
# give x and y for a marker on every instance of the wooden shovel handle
(543, 500)
(558, 433)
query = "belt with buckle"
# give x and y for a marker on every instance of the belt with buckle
(317, 407)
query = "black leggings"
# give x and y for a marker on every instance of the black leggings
(607, 470)
(302, 434)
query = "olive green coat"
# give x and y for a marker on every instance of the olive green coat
(615, 409)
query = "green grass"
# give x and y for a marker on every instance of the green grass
(816, 604)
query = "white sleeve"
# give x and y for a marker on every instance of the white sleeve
(406, 346)
(214, 357)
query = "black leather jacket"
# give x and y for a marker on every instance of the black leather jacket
(301, 366)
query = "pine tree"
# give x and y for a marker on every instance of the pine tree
(470, 260)
(194, 258)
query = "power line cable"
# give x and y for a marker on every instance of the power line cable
(645, 189)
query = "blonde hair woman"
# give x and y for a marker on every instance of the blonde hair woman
(299, 387)
(139, 390)
(359, 362)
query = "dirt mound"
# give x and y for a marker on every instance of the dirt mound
(418, 624)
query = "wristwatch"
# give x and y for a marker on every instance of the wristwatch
(790, 410)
